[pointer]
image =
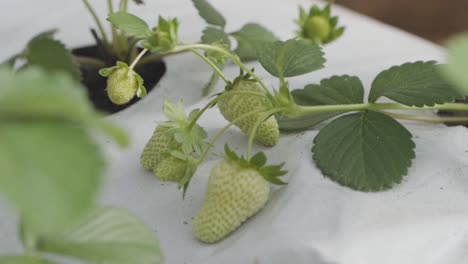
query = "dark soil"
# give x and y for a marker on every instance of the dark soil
(96, 84)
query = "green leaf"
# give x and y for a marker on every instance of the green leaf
(130, 24)
(38, 158)
(209, 13)
(138, 2)
(366, 151)
(291, 58)
(214, 35)
(332, 91)
(23, 260)
(249, 38)
(51, 55)
(413, 84)
(456, 69)
(33, 93)
(107, 236)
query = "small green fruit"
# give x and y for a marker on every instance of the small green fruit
(234, 194)
(159, 144)
(122, 86)
(170, 168)
(317, 27)
(238, 105)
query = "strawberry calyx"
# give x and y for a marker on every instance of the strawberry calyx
(318, 25)
(180, 126)
(242, 77)
(270, 173)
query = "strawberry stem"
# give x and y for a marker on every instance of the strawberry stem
(253, 132)
(216, 100)
(430, 119)
(212, 65)
(134, 63)
(231, 56)
(97, 21)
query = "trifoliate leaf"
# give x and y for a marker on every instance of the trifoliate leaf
(23, 260)
(249, 37)
(332, 91)
(209, 13)
(291, 58)
(413, 84)
(456, 69)
(51, 55)
(108, 235)
(38, 157)
(130, 24)
(366, 151)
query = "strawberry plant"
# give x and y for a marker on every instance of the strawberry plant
(362, 146)
(58, 213)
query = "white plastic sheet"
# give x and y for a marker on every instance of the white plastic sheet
(312, 219)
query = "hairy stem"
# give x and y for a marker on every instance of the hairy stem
(430, 119)
(90, 61)
(211, 64)
(231, 56)
(257, 124)
(123, 5)
(134, 63)
(97, 21)
(298, 110)
(217, 99)
(223, 131)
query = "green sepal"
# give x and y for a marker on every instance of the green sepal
(192, 137)
(165, 36)
(106, 72)
(141, 91)
(270, 173)
(318, 25)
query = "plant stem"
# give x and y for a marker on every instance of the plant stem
(90, 61)
(302, 110)
(253, 132)
(97, 21)
(231, 56)
(217, 99)
(211, 64)
(134, 63)
(222, 131)
(123, 5)
(431, 119)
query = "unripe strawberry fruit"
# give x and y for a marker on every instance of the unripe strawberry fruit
(234, 194)
(157, 158)
(238, 105)
(122, 86)
(158, 145)
(170, 168)
(317, 27)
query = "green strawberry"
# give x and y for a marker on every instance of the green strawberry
(123, 83)
(318, 25)
(238, 105)
(158, 145)
(121, 86)
(170, 168)
(237, 189)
